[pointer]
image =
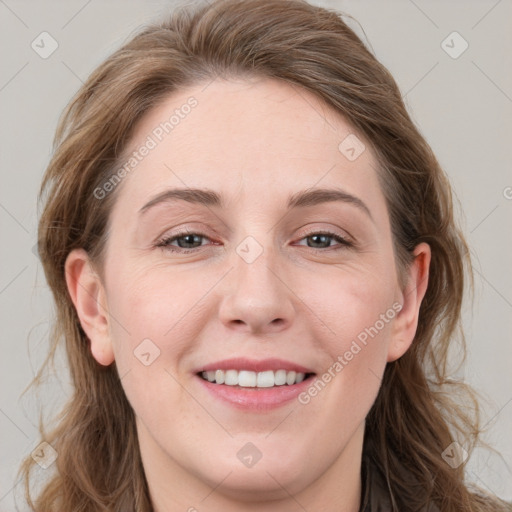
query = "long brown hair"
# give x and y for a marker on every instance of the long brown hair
(419, 411)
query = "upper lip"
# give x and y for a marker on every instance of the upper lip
(241, 363)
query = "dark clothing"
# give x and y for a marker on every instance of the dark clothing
(374, 495)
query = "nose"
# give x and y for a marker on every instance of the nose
(255, 297)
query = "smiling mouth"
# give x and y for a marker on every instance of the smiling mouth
(256, 380)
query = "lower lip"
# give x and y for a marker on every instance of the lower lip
(256, 399)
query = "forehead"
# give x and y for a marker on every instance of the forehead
(247, 138)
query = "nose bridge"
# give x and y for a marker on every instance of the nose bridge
(254, 295)
(254, 267)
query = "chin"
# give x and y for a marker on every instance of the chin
(267, 476)
(251, 484)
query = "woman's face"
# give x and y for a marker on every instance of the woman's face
(273, 275)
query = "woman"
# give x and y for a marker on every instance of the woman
(218, 376)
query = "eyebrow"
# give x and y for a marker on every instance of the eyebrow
(302, 199)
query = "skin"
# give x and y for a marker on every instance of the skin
(244, 139)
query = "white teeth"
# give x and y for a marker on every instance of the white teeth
(290, 378)
(280, 377)
(266, 379)
(231, 378)
(248, 379)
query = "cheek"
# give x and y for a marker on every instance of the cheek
(154, 325)
(154, 304)
(356, 306)
(362, 326)
(357, 312)
(158, 319)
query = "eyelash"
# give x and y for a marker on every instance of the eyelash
(165, 242)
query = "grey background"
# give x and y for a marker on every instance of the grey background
(462, 106)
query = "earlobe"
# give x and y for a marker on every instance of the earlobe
(406, 322)
(88, 296)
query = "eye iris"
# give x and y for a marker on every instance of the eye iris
(316, 237)
(190, 239)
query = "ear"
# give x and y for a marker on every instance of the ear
(89, 298)
(406, 322)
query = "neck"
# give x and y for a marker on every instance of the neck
(173, 488)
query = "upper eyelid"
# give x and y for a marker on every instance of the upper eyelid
(201, 231)
(328, 231)
(310, 232)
